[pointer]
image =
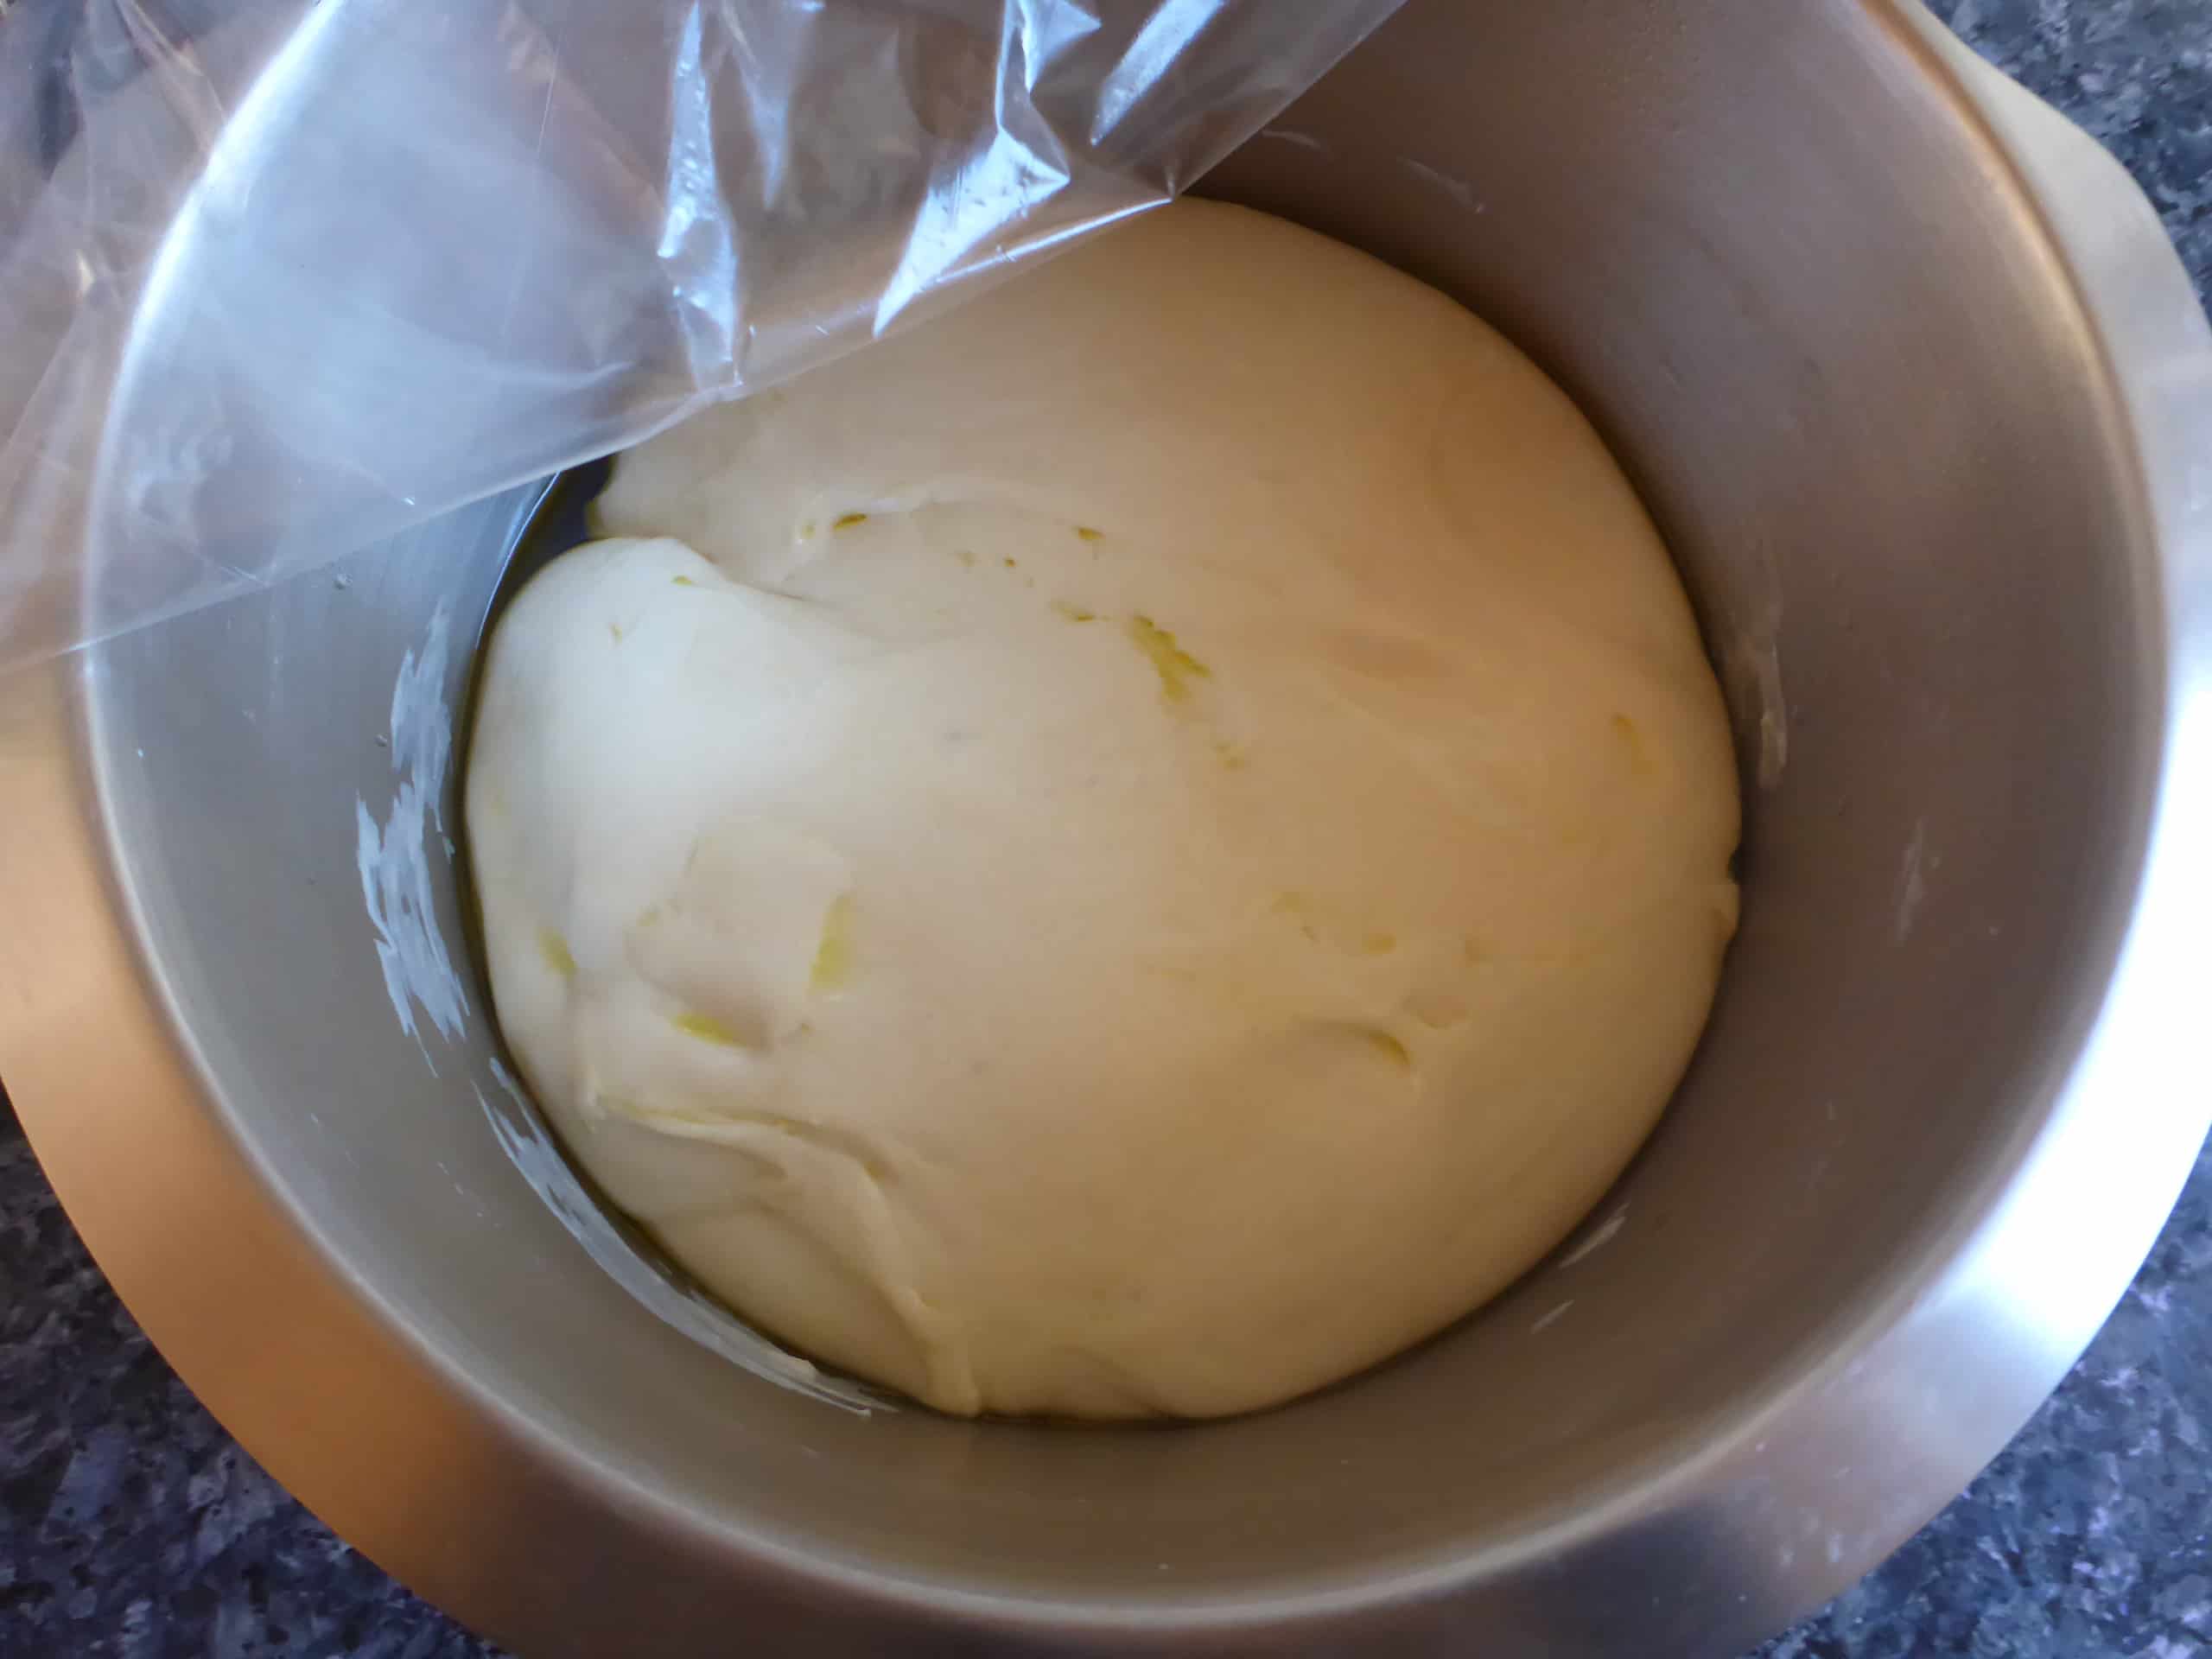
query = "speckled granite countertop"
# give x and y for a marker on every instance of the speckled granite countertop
(130, 1524)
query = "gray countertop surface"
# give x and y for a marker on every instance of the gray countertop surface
(131, 1524)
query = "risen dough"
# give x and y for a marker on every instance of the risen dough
(1171, 838)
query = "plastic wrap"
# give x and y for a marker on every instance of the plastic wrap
(278, 279)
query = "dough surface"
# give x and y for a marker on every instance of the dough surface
(1134, 850)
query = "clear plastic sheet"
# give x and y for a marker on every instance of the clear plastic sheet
(280, 279)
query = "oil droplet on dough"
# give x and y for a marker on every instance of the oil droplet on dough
(1390, 1048)
(1625, 728)
(1299, 909)
(1379, 944)
(707, 1029)
(1074, 612)
(555, 950)
(1176, 667)
(683, 581)
(846, 520)
(1085, 532)
(833, 958)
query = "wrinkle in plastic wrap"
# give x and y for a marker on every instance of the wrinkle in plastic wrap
(279, 279)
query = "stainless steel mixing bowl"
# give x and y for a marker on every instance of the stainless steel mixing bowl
(1925, 405)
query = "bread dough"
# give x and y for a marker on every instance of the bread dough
(1134, 850)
